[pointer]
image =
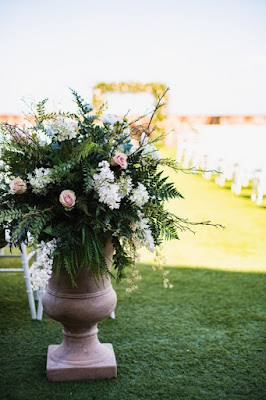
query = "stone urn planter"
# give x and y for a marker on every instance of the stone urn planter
(79, 309)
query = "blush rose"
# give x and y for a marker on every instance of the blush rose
(17, 186)
(120, 159)
(67, 198)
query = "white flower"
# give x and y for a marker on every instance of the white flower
(60, 130)
(149, 242)
(39, 181)
(143, 139)
(104, 185)
(150, 151)
(142, 233)
(42, 138)
(127, 130)
(41, 269)
(139, 196)
(133, 148)
(109, 195)
(105, 173)
(110, 119)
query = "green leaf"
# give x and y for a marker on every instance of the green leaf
(49, 230)
(85, 148)
(66, 147)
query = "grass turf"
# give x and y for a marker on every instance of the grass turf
(241, 246)
(202, 340)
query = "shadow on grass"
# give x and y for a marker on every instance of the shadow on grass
(201, 340)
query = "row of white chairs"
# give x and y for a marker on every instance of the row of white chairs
(231, 152)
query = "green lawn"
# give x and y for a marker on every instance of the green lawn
(241, 246)
(204, 339)
(201, 340)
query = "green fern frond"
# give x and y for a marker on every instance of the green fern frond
(8, 215)
(83, 150)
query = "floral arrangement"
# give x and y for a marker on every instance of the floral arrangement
(70, 180)
(134, 87)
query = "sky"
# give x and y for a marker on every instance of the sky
(212, 54)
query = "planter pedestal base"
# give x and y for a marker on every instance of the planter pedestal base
(79, 309)
(58, 371)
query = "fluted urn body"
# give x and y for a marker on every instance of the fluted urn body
(79, 309)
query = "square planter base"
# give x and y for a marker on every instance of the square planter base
(106, 369)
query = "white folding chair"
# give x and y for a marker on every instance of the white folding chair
(32, 296)
(259, 186)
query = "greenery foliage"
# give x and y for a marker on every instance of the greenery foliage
(64, 152)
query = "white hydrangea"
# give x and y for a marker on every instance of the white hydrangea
(39, 180)
(43, 139)
(104, 185)
(110, 119)
(139, 195)
(41, 269)
(125, 185)
(60, 130)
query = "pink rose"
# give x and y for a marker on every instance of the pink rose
(17, 186)
(67, 198)
(120, 159)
